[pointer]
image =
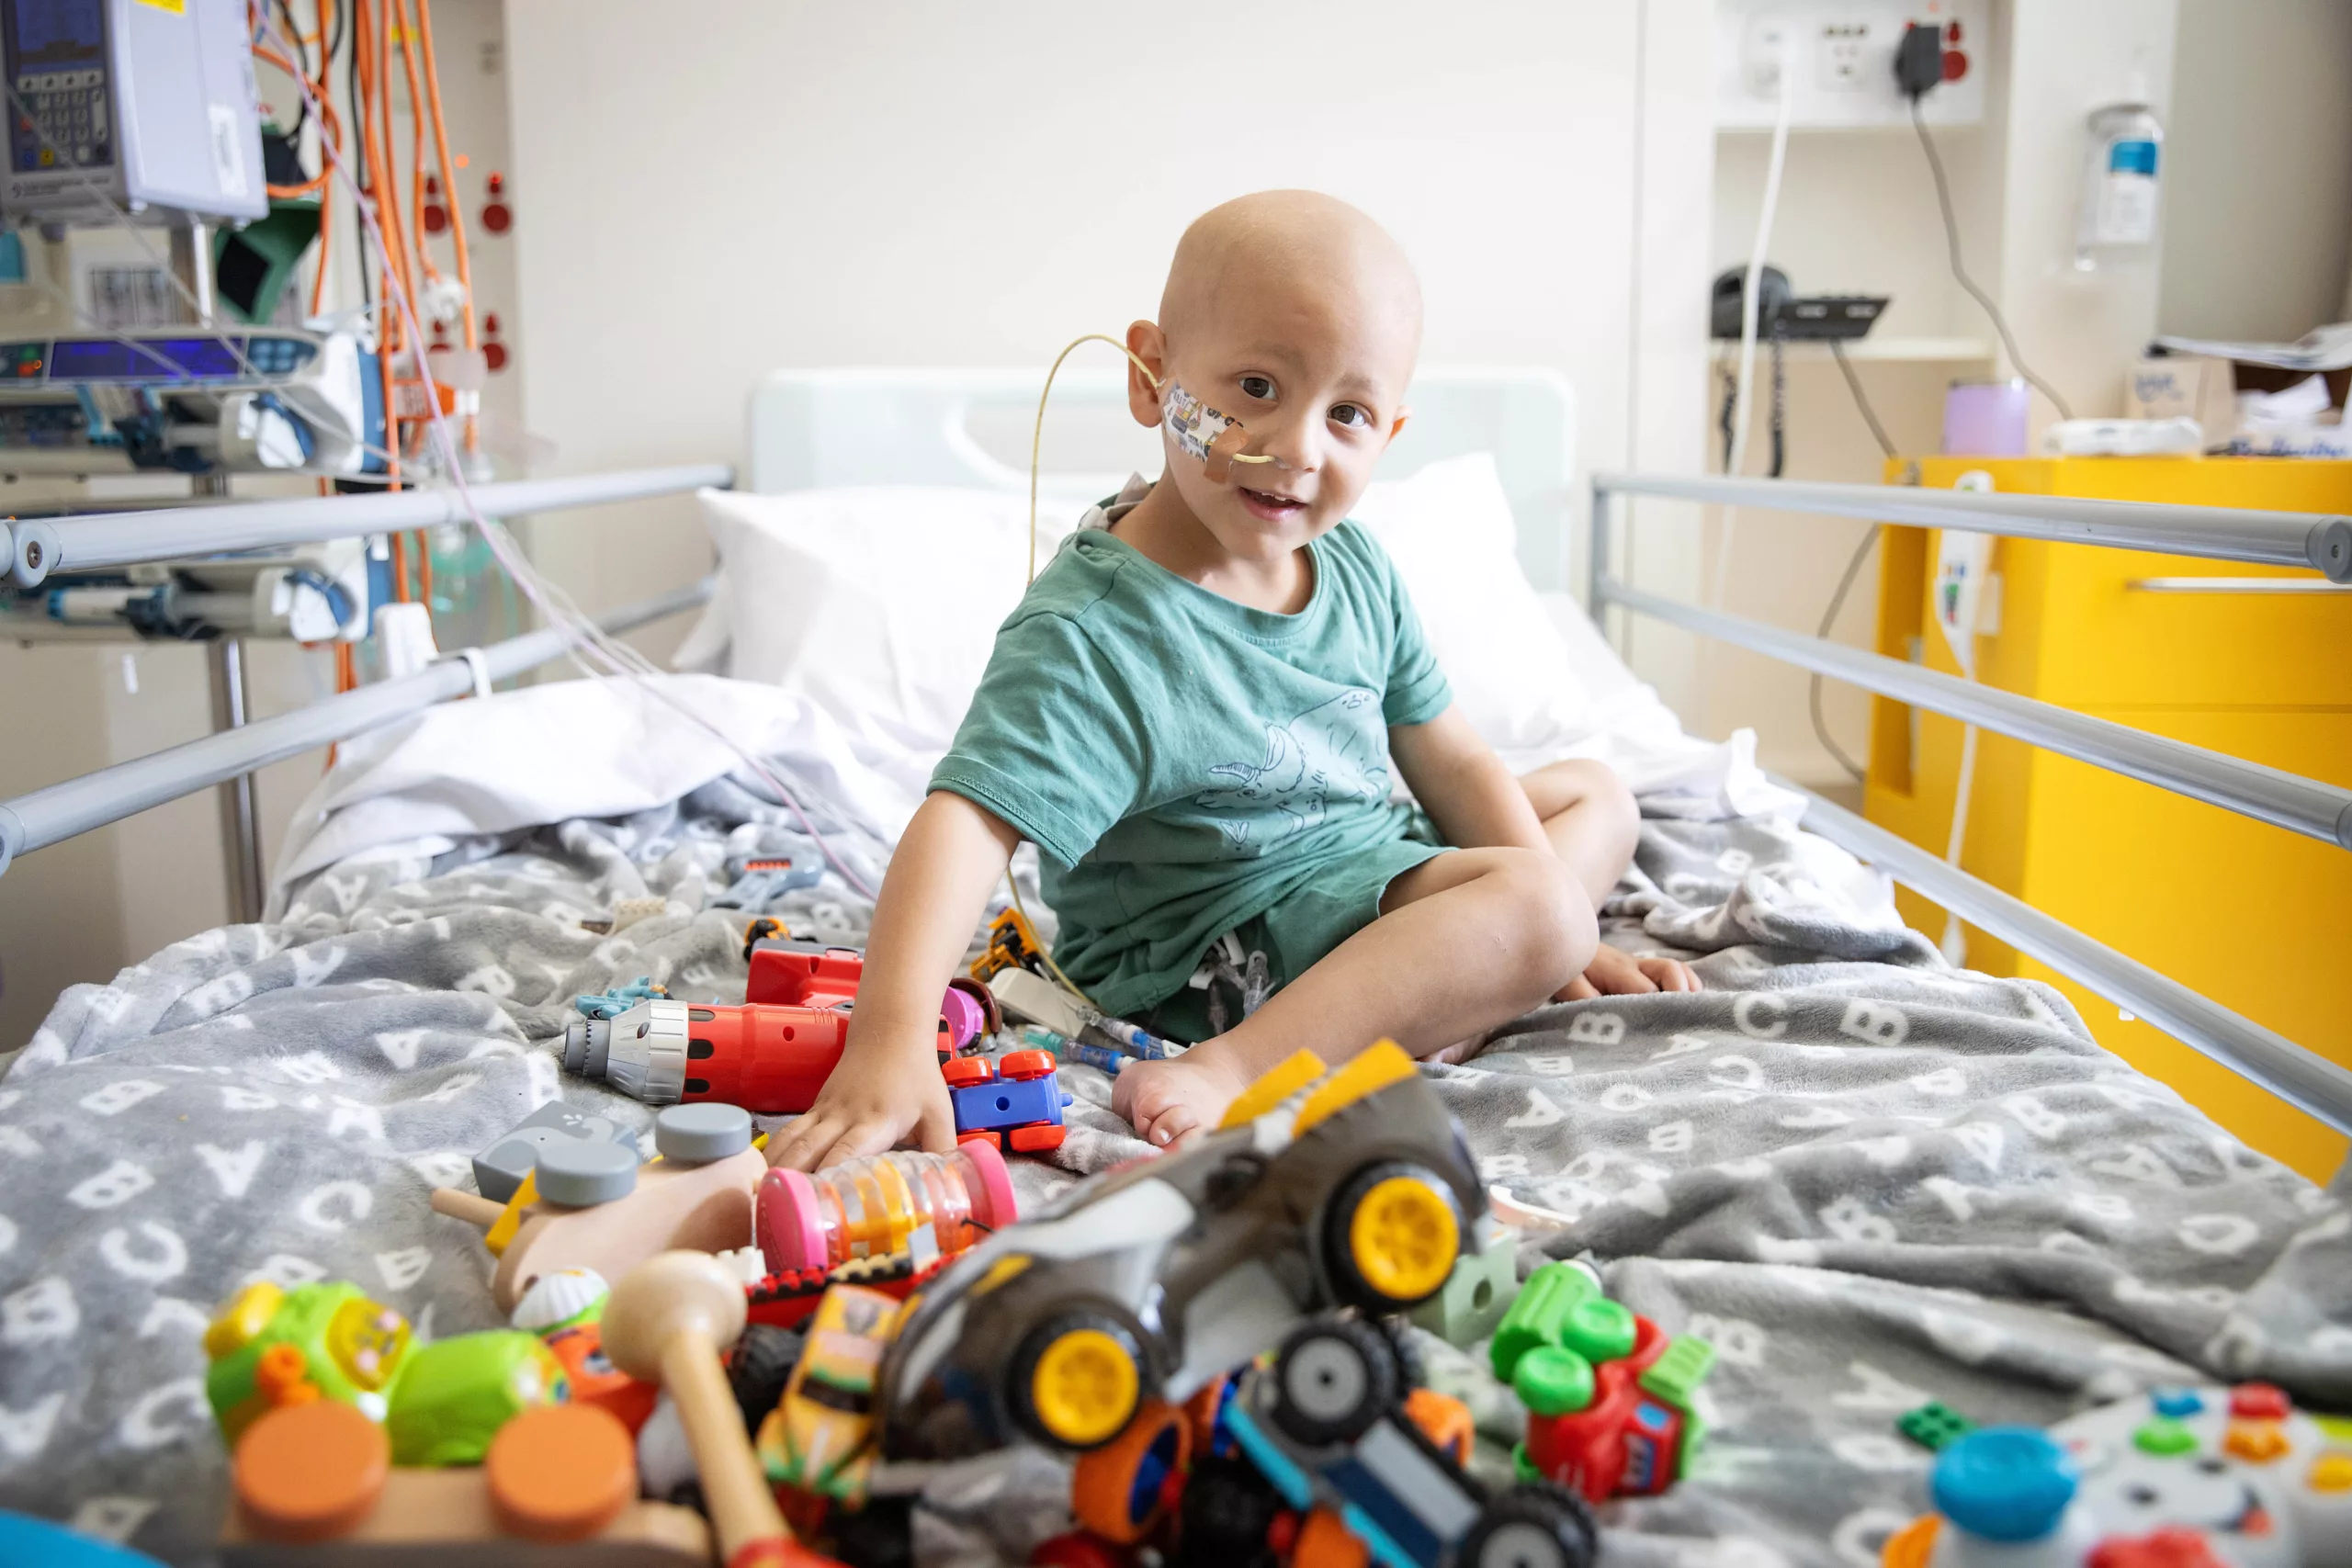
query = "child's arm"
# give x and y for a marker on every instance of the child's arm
(888, 1084)
(1469, 793)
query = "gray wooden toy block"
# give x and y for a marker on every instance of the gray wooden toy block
(500, 1168)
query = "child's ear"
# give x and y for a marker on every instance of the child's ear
(1397, 426)
(1148, 344)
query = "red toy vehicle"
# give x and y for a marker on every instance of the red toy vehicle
(1608, 1392)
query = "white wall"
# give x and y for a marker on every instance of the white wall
(1857, 214)
(2258, 182)
(932, 183)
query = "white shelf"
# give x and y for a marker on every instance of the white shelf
(1921, 350)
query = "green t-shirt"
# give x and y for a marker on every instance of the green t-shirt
(1184, 762)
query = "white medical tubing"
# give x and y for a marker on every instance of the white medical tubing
(1751, 306)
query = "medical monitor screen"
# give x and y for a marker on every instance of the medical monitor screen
(152, 359)
(54, 34)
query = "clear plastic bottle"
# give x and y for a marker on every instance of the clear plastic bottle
(924, 1205)
(2121, 191)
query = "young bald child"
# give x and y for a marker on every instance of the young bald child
(1194, 714)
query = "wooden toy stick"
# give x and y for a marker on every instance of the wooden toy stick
(666, 1320)
(466, 1206)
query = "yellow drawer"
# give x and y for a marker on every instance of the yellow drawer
(2075, 633)
(2229, 906)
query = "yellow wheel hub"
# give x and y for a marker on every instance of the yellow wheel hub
(1085, 1387)
(1404, 1239)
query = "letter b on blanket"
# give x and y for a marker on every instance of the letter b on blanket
(1878, 1023)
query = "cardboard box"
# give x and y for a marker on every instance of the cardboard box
(2174, 386)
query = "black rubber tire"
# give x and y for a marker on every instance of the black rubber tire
(1533, 1524)
(879, 1535)
(1024, 1368)
(1333, 1378)
(1226, 1511)
(1348, 1284)
(757, 1371)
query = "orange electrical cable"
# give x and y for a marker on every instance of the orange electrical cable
(425, 570)
(450, 191)
(398, 9)
(400, 569)
(368, 47)
(323, 93)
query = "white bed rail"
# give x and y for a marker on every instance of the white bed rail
(2295, 1072)
(31, 549)
(49, 816)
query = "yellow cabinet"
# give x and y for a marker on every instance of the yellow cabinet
(2255, 917)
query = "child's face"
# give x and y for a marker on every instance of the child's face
(1316, 378)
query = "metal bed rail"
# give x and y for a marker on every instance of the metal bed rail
(2293, 1072)
(33, 548)
(47, 816)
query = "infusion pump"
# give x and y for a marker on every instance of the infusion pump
(192, 401)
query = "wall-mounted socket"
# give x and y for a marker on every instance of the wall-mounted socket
(1839, 57)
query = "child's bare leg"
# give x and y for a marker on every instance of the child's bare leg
(1464, 942)
(1593, 823)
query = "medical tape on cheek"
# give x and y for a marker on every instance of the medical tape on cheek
(1215, 439)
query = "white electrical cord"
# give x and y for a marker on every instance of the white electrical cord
(583, 634)
(1750, 304)
(1954, 946)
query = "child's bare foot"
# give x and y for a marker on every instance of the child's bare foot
(1613, 973)
(1172, 1101)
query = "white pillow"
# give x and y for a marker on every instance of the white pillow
(881, 602)
(1450, 530)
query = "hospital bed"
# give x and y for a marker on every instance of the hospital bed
(1870, 1179)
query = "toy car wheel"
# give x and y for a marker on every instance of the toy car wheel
(1227, 1510)
(1333, 1378)
(879, 1535)
(963, 1071)
(1534, 1525)
(1121, 1490)
(1077, 1380)
(1392, 1237)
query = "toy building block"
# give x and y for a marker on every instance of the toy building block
(314, 1484)
(1476, 1295)
(1609, 1394)
(761, 880)
(1016, 1101)
(500, 1168)
(1561, 1305)
(666, 1322)
(1934, 1426)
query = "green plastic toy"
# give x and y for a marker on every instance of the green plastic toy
(271, 1345)
(454, 1394)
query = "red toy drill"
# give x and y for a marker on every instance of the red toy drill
(769, 1055)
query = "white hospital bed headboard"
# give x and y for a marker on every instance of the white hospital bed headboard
(971, 429)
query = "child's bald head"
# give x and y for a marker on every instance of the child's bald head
(1297, 317)
(1290, 242)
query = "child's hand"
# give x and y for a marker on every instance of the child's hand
(871, 1103)
(1612, 972)
(1171, 1101)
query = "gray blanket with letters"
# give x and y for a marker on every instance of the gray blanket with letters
(1869, 1179)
